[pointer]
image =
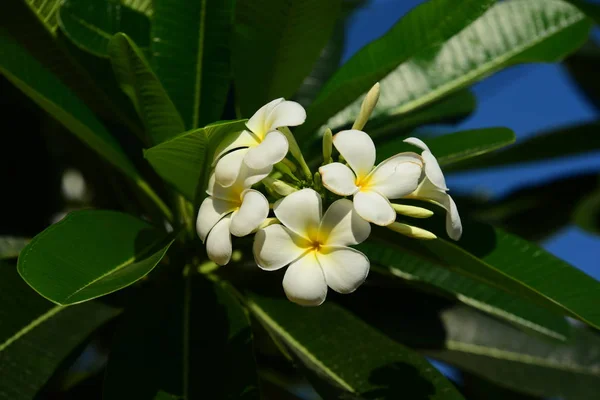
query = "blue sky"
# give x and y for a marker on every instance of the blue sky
(526, 98)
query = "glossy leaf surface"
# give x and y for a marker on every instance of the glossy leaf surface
(191, 55)
(275, 46)
(90, 254)
(509, 33)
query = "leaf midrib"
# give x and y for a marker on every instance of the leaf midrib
(30, 326)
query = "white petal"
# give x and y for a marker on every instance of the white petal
(211, 211)
(428, 191)
(253, 211)
(272, 149)
(304, 281)
(338, 178)
(432, 167)
(374, 208)
(416, 142)
(235, 140)
(453, 222)
(345, 269)
(398, 176)
(358, 149)
(300, 212)
(218, 243)
(342, 226)
(286, 113)
(229, 166)
(257, 123)
(276, 246)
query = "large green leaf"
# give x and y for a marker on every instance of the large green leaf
(90, 24)
(455, 147)
(466, 290)
(56, 99)
(516, 266)
(37, 336)
(185, 161)
(545, 146)
(157, 111)
(592, 10)
(190, 49)
(512, 359)
(276, 45)
(413, 37)
(143, 6)
(511, 32)
(185, 336)
(11, 246)
(348, 353)
(89, 254)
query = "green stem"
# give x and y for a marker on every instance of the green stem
(166, 211)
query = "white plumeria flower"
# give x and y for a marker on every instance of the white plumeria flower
(235, 210)
(433, 188)
(371, 187)
(262, 145)
(314, 246)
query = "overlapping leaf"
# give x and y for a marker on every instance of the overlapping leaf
(161, 119)
(36, 336)
(185, 161)
(351, 355)
(191, 56)
(89, 254)
(419, 32)
(510, 32)
(187, 337)
(90, 24)
(276, 45)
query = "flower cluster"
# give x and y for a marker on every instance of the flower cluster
(312, 243)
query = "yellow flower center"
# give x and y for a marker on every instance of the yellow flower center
(363, 183)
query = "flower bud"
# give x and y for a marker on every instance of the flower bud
(411, 231)
(327, 146)
(412, 211)
(367, 107)
(279, 187)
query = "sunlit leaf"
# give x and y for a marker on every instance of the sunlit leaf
(89, 254)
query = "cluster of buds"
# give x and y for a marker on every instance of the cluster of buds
(314, 245)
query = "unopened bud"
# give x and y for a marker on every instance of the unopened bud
(279, 187)
(411, 231)
(327, 146)
(318, 183)
(412, 211)
(367, 107)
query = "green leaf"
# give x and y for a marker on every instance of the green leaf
(510, 32)
(143, 6)
(90, 254)
(157, 111)
(454, 147)
(587, 213)
(581, 66)
(589, 8)
(37, 336)
(349, 353)
(544, 146)
(90, 24)
(466, 290)
(166, 396)
(516, 266)
(185, 161)
(512, 359)
(275, 46)
(23, 71)
(185, 336)
(190, 48)
(413, 37)
(11, 246)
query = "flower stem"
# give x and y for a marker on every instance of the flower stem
(166, 211)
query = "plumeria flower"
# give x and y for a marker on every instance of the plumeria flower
(314, 246)
(433, 188)
(234, 210)
(261, 145)
(371, 187)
